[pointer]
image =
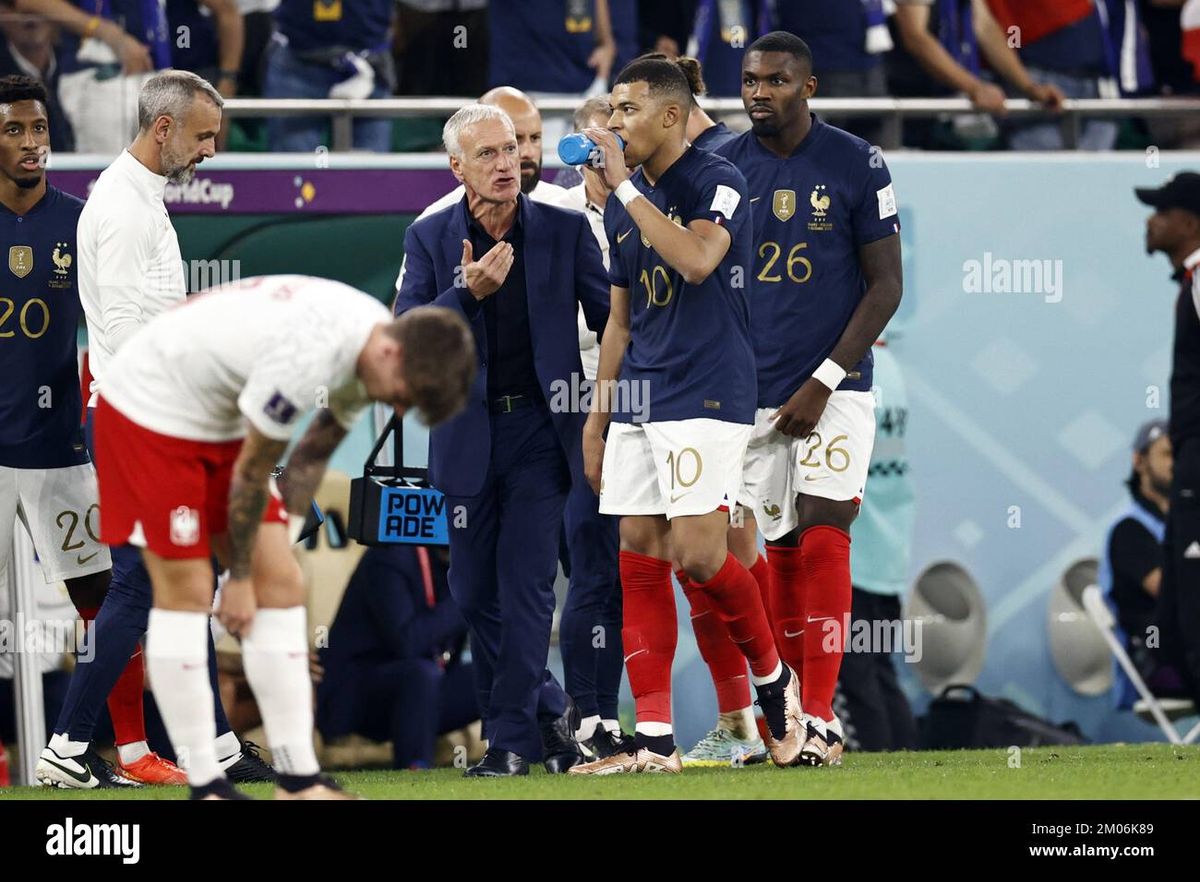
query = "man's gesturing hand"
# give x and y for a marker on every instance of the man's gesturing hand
(484, 277)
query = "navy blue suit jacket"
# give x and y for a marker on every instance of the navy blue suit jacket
(563, 269)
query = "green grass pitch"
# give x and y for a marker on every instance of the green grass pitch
(1140, 771)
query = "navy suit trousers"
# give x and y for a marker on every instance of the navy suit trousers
(503, 560)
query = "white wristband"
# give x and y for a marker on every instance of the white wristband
(627, 192)
(830, 373)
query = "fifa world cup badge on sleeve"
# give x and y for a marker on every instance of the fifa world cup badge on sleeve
(887, 202)
(725, 200)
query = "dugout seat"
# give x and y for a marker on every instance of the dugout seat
(947, 603)
(1150, 708)
(1077, 649)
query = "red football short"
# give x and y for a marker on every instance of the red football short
(163, 493)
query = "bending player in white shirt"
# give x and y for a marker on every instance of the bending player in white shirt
(197, 409)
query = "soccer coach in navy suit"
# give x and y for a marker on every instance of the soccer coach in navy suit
(518, 271)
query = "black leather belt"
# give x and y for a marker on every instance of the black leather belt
(509, 403)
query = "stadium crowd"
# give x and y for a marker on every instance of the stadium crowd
(93, 56)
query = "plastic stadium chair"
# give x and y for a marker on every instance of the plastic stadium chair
(1079, 653)
(1149, 708)
(953, 621)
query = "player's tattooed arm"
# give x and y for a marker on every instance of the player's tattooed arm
(248, 493)
(306, 465)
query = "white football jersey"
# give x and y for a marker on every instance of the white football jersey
(267, 350)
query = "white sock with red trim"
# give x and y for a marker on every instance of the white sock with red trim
(177, 665)
(275, 655)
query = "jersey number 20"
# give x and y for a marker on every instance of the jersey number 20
(8, 307)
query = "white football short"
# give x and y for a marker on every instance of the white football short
(674, 468)
(832, 462)
(60, 512)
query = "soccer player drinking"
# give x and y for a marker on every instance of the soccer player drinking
(826, 279)
(677, 337)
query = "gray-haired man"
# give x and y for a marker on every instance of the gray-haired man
(517, 270)
(129, 271)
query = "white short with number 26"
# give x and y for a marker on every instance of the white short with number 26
(831, 462)
(674, 468)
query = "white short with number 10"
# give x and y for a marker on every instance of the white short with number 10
(831, 462)
(674, 468)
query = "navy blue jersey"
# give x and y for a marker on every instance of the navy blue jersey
(714, 136)
(812, 213)
(690, 344)
(40, 402)
(312, 25)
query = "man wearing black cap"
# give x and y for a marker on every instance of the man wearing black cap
(1174, 229)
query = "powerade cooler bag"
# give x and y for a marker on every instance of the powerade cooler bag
(395, 504)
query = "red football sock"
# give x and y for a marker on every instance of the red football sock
(649, 633)
(762, 575)
(825, 560)
(787, 605)
(125, 700)
(725, 661)
(734, 594)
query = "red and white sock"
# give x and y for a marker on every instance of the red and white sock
(825, 562)
(126, 709)
(725, 661)
(125, 706)
(649, 633)
(734, 594)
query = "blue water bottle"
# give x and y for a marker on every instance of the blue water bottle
(578, 148)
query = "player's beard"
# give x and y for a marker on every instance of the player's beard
(764, 128)
(28, 183)
(534, 172)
